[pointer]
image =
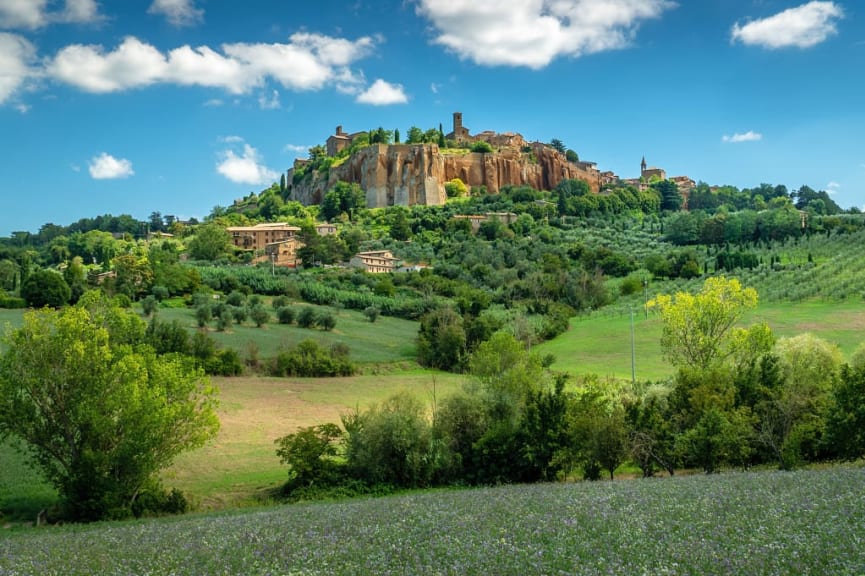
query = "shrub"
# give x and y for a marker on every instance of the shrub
(225, 362)
(12, 302)
(483, 147)
(259, 315)
(159, 292)
(279, 302)
(203, 315)
(326, 320)
(311, 359)
(149, 305)
(236, 298)
(238, 313)
(285, 315)
(371, 313)
(307, 317)
(391, 443)
(310, 455)
(46, 288)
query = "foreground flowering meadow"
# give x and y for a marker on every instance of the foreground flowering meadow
(806, 522)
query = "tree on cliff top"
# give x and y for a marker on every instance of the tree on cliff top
(558, 145)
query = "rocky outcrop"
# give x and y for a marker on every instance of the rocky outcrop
(406, 175)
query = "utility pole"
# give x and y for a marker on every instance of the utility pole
(633, 351)
(646, 291)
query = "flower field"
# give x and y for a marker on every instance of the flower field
(805, 522)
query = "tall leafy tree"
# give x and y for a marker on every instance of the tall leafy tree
(101, 412)
(698, 328)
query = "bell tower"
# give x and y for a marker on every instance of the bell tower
(643, 167)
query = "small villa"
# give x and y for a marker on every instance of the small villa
(375, 262)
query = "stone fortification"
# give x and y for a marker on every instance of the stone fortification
(406, 175)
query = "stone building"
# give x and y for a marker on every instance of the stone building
(258, 236)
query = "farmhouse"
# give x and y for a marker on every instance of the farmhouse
(375, 262)
(258, 236)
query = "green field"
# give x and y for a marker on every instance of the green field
(387, 340)
(601, 343)
(804, 522)
(240, 466)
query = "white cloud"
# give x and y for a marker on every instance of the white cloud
(23, 108)
(533, 33)
(22, 13)
(16, 53)
(177, 12)
(749, 136)
(33, 14)
(434, 88)
(296, 148)
(214, 102)
(105, 167)
(269, 102)
(307, 62)
(133, 64)
(833, 187)
(383, 93)
(80, 12)
(245, 168)
(801, 27)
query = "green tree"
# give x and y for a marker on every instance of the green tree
(391, 443)
(101, 416)
(259, 315)
(45, 288)
(845, 422)
(671, 198)
(698, 328)
(211, 241)
(558, 146)
(456, 188)
(310, 454)
(441, 339)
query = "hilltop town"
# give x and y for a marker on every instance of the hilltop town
(417, 172)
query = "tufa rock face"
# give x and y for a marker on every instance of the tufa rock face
(405, 175)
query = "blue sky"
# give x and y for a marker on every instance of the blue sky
(176, 106)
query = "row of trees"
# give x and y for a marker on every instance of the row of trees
(740, 398)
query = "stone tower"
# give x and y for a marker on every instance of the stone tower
(458, 123)
(643, 166)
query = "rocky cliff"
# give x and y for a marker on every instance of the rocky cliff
(405, 175)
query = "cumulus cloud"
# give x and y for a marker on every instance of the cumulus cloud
(16, 54)
(246, 167)
(801, 27)
(533, 33)
(80, 11)
(177, 12)
(749, 136)
(307, 62)
(33, 14)
(22, 13)
(382, 93)
(106, 167)
(833, 187)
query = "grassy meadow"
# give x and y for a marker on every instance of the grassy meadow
(240, 467)
(601, 343)
(803, 522)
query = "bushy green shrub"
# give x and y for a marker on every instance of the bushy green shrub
(311, 359)
(12, 302)
(259, 315)
(326, 320)
(307, 317)
(285, 315)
